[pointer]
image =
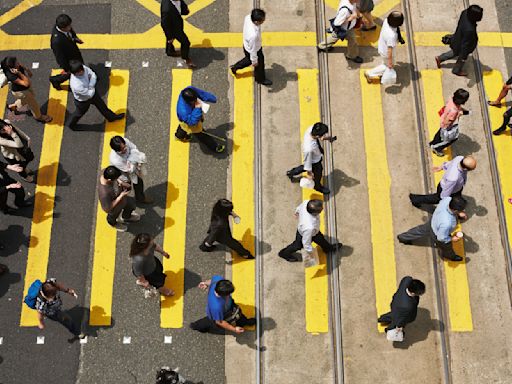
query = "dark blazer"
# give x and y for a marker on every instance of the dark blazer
(465, 38)
(170, 19)
(404, 308)
(64, 49)
(219, 230)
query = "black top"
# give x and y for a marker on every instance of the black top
(465, 38)
(219, 229)
(170, 19)
(404, 308)
(12, 77)
(64, 48)
(5, 179)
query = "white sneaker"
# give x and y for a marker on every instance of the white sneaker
(120, 227)
(133, 218)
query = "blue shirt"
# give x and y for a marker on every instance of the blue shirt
(444, 221)
(188, 113)
(216, 305)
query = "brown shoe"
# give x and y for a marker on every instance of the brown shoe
(190, 64)
(45, 119)
(438, 62)
(461, 74)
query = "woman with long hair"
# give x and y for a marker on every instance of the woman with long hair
(220, 231)
(145, 265)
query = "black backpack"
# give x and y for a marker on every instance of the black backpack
(165, 375)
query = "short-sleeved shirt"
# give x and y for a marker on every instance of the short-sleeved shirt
(144, 264)
(443, 221)
(12, 77)
(309, 225)
(345, 10)
(388, 38)
(47, 307)
(217, 306)
(106, 196)
(311, 150)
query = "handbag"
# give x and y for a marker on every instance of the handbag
(450, 134)
(338, 31)
(395, 335)
(233, 315)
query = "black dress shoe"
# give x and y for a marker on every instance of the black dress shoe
(406, 242)
(233, 70)
(336, 247)
(25, 204)
(455, 258)
(56, 86)
(498, 131)
(248, 257)
(265, 82)
(290, 175)
(357, 59)
(411, 197)
(8, 211)
(323, 190)
(203, 247)
(119, 116)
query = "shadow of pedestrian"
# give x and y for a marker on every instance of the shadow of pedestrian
(13, 238)
(6, 280)
(470, 246)
(473, 209)
(207, 56)
(341, 179)
(44, 176)
(83, 316)
(466, 145)
(403, 74)
(45, 207)
(473, 80)
(280, 77)
(419, 329)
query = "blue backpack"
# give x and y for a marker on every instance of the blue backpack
(33, 291)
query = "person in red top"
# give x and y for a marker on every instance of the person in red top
(448, 132)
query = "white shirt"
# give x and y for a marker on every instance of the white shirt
(252, 38)
(177, 4)
(388, 38)
(343, 14)
(83, 87)
(309, 225)
(311, 150)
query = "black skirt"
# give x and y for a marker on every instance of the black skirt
(157, 277)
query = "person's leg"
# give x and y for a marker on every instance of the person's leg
(433, 198)
(458, 67)
(296, 245)
(295, 171)
(243, 321)
(202, 325)
(114, 214)
(102, 107)
(318, 171)
(67, 321)
(352, 47)
(445, 56)
(437, 138)
(243, 63)
(446, 144)
(415, 233)
(3, 201)
(328, 42)
(320, 239)
(19, 197)
(139, 190)
(185, 45)
(207, 140)
(128, 208)
(57, 80)
(169, 47)
(501, 96)
(385, 318)
(31, 101)
(259, 70)
(506, 118)
(81, 108)
(236, 246)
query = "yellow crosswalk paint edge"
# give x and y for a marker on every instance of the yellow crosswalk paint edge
(242, 192)
(22, 7)
(105, 236)
(379, 196)
(42, 220)
(3, 98)
(316, 280)
(457, 286)
(175, 224)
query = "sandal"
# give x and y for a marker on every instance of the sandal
(167, 292)
(45, 119)
(494, 104)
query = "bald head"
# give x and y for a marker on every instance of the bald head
(469, 163)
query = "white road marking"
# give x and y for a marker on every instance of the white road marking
(35, 65)
(145, 64)
(167, 339)
(108, 64)
(40, 340)
(127, 339)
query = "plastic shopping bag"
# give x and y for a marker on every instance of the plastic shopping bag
(395, 335)
(310, 259)
(389, 77)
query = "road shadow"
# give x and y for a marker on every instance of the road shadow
(219, 135)
(207, 56)
(44, 176)
(247, 238)
(280, 77)
(13, 238)
(418, 330)
(45, 205)
(83, 316)
(473, 80)
(6, 280)
(403, 74)
(341, 179)
(473, 209)
(466, 145)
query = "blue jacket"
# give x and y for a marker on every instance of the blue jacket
(187, 113)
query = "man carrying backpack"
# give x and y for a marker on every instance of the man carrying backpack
(45, 299)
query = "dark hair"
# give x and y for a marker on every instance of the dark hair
(395, 19)
(319, 129)
(315, 206)
(139, 243)
(8, 62)
(75, 66)
(460, 96)
(189, 95)
(111, 173)
(222, 208)
(224, 288)
(3, 134)
(457, 203)
(257, 15)
(116, 142)
(167, 376)
(63, 21)
(49, 289)
(417, 287)
(475, 13)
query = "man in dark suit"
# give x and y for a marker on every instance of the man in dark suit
(464, 40)
(404, 306)
(171, 20)
(64, 46)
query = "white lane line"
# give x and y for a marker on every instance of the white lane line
(167, 339)
(35, 65)
(40, 340)
(1, 340)
(108, 64)
(127, 340)
(84, 340)
(145, 64)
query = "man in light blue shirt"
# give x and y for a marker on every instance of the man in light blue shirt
(440, 227)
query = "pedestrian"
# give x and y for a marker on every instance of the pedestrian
(171, 20)
(440, 227)
(506, 119)
(190, 114)
(448, 132)
(308, 230)
(21, 88)
(8, 184)
(452, 183)
(114, 199)
(503, 93)
(64, 46)
(130, 161)
(404, 305)
(389, 36)
(253, 51)
(146, 267)
(342, 27)
(221, 310)
(49, 305)
(313, 156)
(464, 40)
(166, 375)
(15, 147)
(83, 85)
(220, 232)
(365, 8)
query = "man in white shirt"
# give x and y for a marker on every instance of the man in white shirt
(344, 23)
(388, 39)
(252, 47)
(313, 155)
(83, 85)
(308, 230)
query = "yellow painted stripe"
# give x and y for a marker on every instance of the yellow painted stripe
(42, 220)
(3, 99)
(457, 286)
(22, 7)
(242, 191)
(105, 237)
(175, 225)
(381, 8)
(317, 285)
(379, 196)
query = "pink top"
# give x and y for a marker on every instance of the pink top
(451, 114)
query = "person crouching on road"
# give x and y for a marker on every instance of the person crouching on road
(220, 231)
(221, 309)
(145, 266)
(389, 36)
(191, 117)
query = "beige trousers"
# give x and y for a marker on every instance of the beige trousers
(353, 48)
(27, 97)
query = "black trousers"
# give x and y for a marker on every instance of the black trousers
(126, 207)
(67, 321)
(388, 319)
(437, 139)
(206, 324)
(425, 230)
(259, 70)
(317, 170)
(506, 118)
(206, 140)
(185, 45)
(319, 239)
(60, 78)
(228, 240)
(433, 198)
(19, 194)
(23, 164)
(83, 106)
(139, 189)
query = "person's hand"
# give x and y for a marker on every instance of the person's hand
(40, 325)
(8, 129)
(78, 41)
(72, 292)
(165, 254)
(14, 186)
(202, 285)
(399, 329)
(455, 238)
(255, 64)
(15, 168)
(463, 216)
(239, 330)
(390, 65)
(14, 70)
(437, 169)
(124, 193)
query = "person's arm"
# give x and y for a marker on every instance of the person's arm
(205, 96)
(75, 37)
(160, 250)
(250, 37)
(14, 143)
(469, 41)
(60, 55)
(343, 16)
(116, 201)
(92, 78)
(443, 234)
(40, 319)
(22, 79)
(224, 324)
(390, 57)
(184, 8)
(84, 90)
